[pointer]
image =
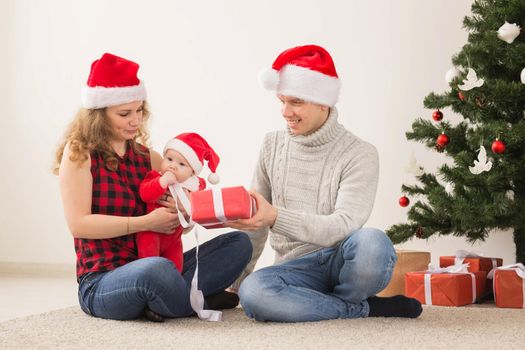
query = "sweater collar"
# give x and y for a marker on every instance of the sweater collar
(325, 134)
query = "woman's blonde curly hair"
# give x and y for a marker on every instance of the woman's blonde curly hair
(91, 131)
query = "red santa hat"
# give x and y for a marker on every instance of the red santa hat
(306, 72)
(112, 81)
(196, 150)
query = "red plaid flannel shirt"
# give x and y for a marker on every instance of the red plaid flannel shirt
(114, 193)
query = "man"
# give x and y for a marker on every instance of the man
(315, 185)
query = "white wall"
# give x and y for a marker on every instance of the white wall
(200, 64)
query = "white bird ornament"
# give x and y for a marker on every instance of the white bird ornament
(414, 168)
(449, 188)
(481, 164)
(472, 81)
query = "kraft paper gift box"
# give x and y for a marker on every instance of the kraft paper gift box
(445, 288)
(210, 208)
(475, 261)
(407, 261)
(509, 286)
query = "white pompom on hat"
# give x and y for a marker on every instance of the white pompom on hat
(196, 150)
(306, 72)
(112, 81)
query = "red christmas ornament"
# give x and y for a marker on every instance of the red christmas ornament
(404, 201)
(443, 140)
(461, 96)
(498, 146)
(437, 115)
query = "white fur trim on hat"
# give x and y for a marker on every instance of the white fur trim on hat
(214, 179)
(192, 183)
(309, 85)
(269, 78)
(100, 97)
(187, 152)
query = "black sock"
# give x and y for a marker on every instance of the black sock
(396, 306)
(153, 316)
(222, 300)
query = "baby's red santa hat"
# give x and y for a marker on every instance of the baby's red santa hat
(112, 81)
(196, 150)
(306, 72)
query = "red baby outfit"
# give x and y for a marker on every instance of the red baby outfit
(151, 243)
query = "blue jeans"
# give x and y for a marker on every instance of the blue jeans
(327, 284)
(123, 293)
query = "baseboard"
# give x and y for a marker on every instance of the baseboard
(36, 269)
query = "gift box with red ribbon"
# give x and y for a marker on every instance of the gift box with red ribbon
(211, 208)
(445, 288)
(509, 286)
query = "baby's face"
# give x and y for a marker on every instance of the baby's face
(176, 163)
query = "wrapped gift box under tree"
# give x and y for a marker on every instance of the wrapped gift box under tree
(509, 286)
(407, 261)
(475, 261)
(450, 286)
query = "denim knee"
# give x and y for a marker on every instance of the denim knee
(371, 250)
(248, 293)
(244, 246)
(253, 292)
(156, 271)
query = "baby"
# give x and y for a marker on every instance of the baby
(183, 161)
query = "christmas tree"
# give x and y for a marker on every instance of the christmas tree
(482, 188)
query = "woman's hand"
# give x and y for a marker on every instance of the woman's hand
(168, 202)
(163, 220)
(265, 216)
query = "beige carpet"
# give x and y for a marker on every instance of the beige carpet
(438, 327)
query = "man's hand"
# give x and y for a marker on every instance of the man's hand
(264, 217)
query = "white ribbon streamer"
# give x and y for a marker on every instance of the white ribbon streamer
(218, 205)
(177, 192)
(428, 289)
(474, 291)
(494, 262)
(462, 254)
(459, 268)
(196, 296)
(519, 268)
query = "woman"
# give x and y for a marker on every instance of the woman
(100, 163)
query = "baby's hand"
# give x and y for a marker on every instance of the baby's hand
(168, 178)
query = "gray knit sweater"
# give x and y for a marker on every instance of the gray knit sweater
(323, 186)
